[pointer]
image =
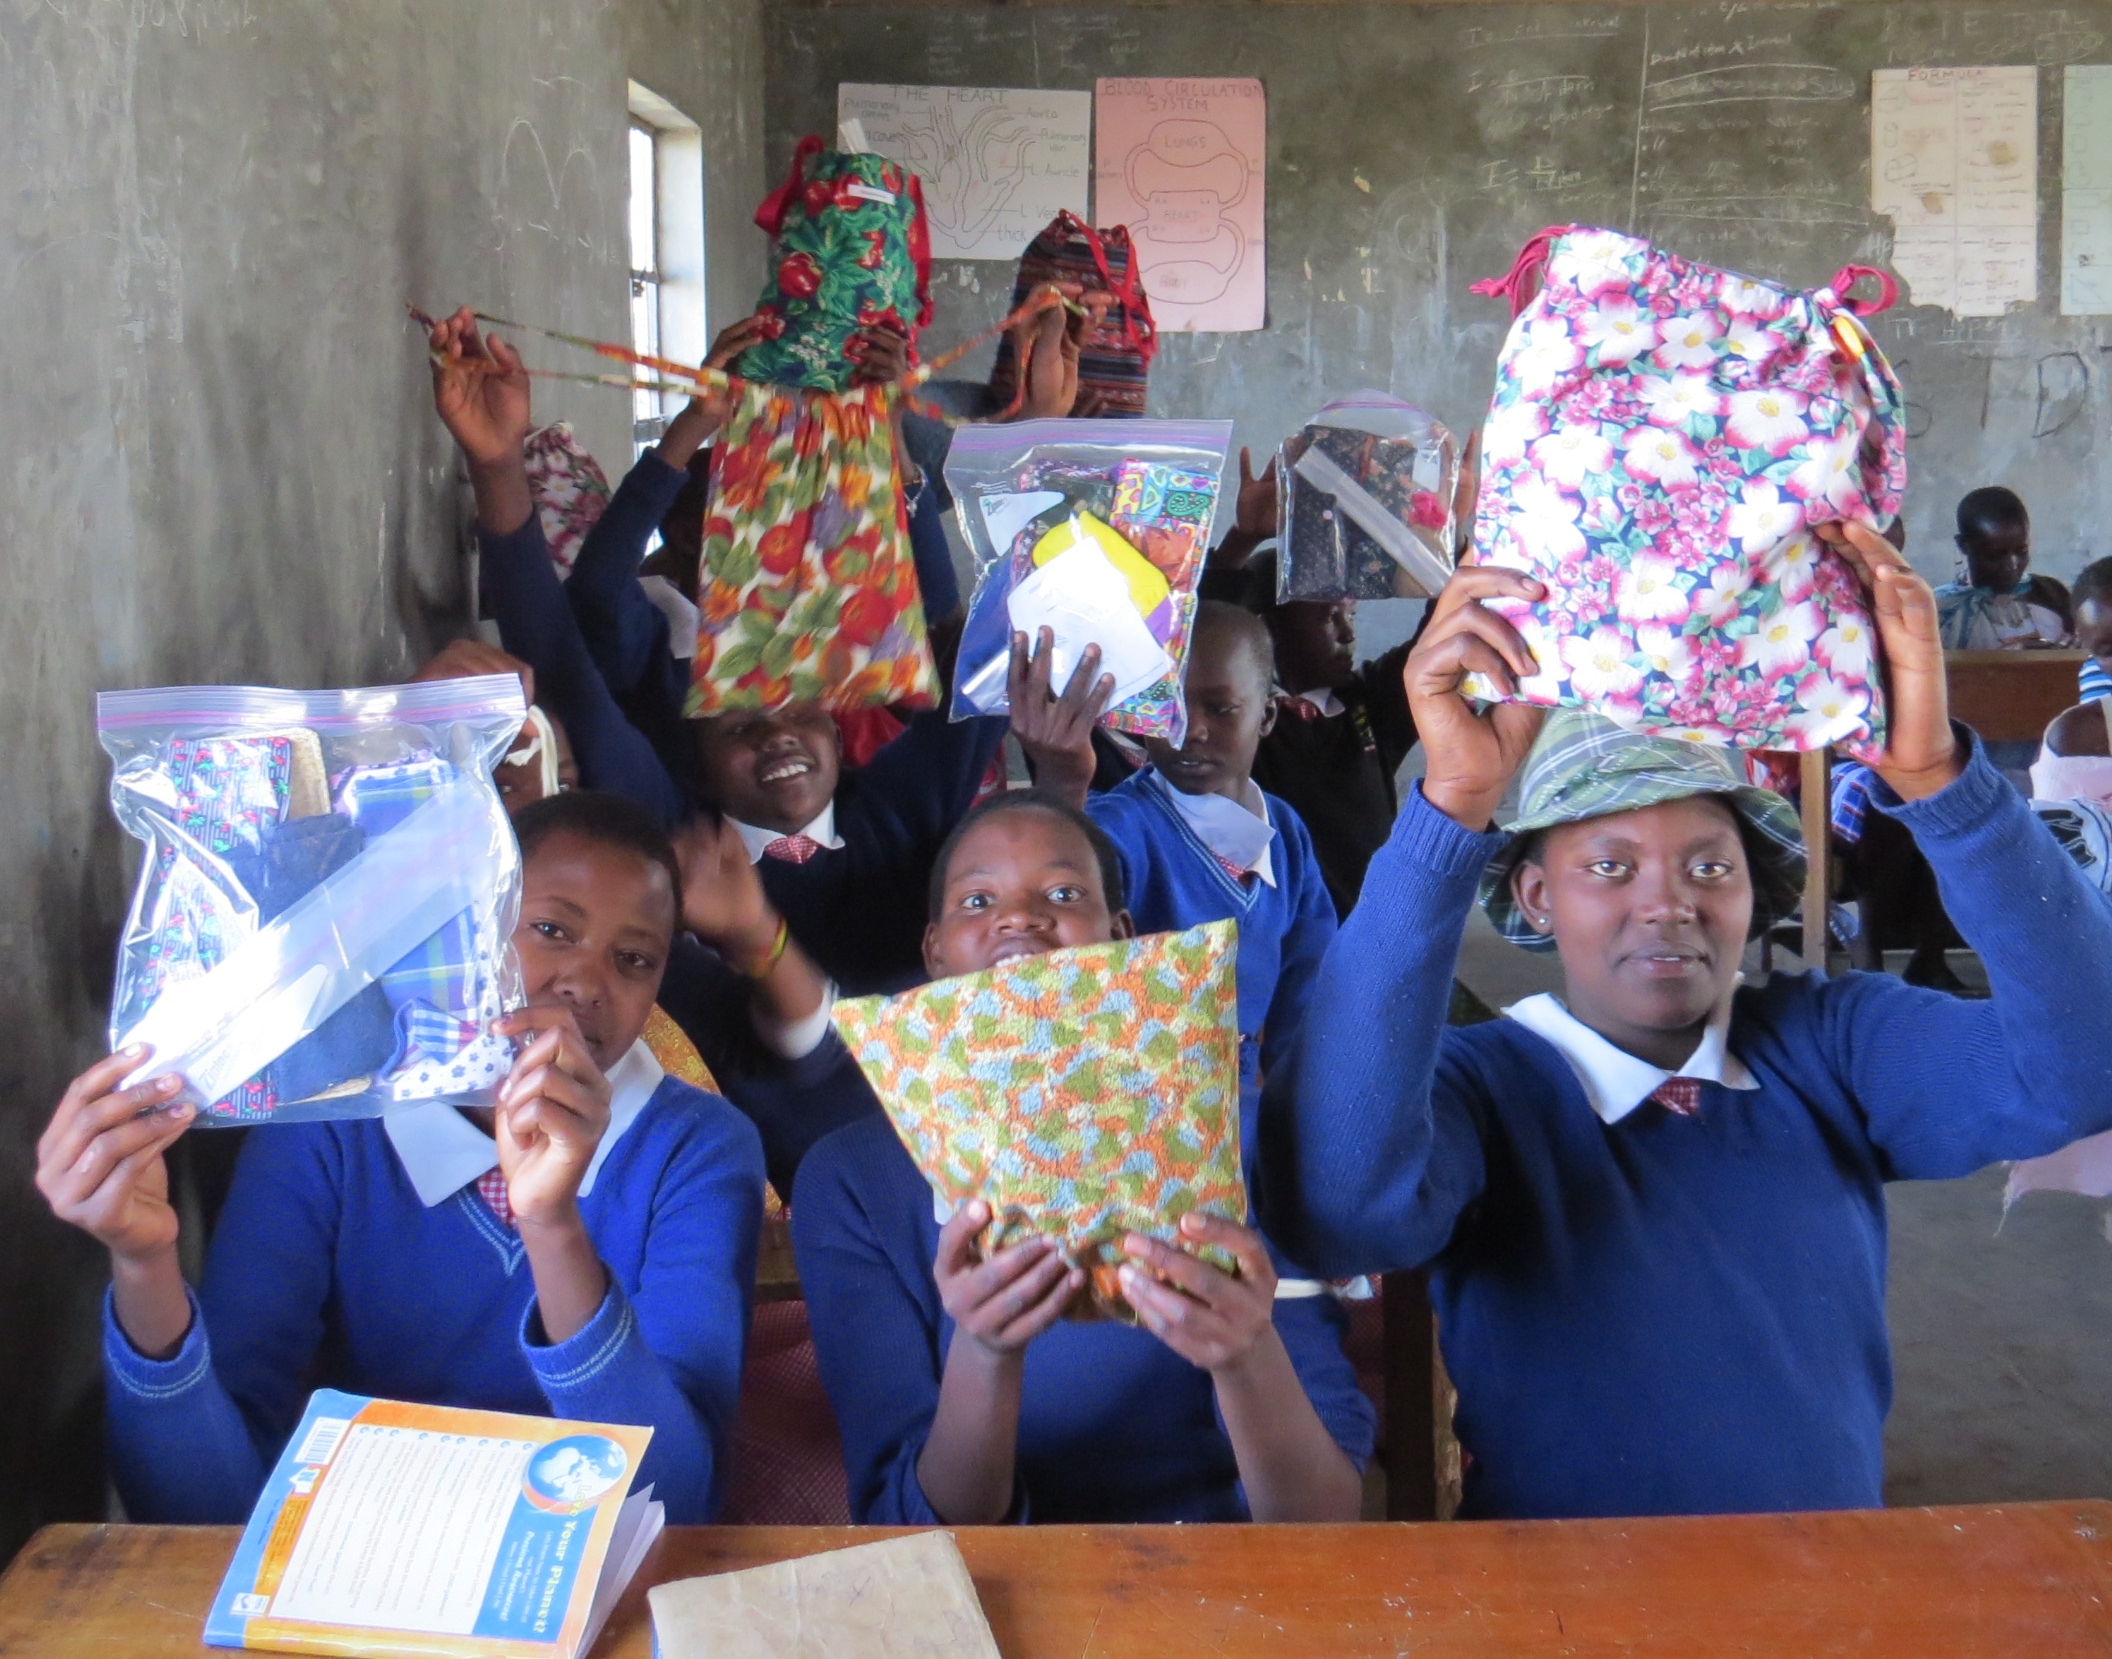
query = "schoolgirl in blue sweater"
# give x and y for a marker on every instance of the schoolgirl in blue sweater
(844, 855)
(1654, 1210)
(962, 1395)
(584, 1249)
(1201, 842)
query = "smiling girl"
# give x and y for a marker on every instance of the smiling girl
(585, 1248)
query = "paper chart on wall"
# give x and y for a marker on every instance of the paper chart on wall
(2086, 190)
(1954, 160)
(996, 163)
(1182, 163)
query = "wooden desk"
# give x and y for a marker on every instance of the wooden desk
(2012, 1581)
(2011, 696)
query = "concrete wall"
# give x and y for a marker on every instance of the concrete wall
(220, 462)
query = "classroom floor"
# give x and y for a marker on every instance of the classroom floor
(2001, 1326)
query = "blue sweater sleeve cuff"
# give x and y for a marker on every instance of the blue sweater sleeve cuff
(582, 1357)
(156, 1379)
(1966, 803)
(1430, 839)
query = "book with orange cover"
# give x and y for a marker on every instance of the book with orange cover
(397, 1529)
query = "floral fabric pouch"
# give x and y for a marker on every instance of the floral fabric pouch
(1663, 439)
(808, 591)
(1083, 1094)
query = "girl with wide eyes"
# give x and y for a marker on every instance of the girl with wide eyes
(962, 1396)
(585, 1248)
(1653, 1208)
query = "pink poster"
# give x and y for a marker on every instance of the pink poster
(1181, 164)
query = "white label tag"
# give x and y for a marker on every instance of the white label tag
(873, 193)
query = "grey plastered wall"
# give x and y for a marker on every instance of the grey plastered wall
(1414, 148)
(218, 459)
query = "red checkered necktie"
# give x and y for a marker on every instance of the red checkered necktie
(793, 849)
(491, 1187)
(1233, 870)
(1300, 707)
(1680, 1096)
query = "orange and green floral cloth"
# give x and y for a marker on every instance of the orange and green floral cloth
(1083, 1094)
(808, 591)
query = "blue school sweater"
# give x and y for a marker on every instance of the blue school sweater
(326, 1271)
(1172, 881)
(859, 909)
(1675, 1315)
(1113, 1424)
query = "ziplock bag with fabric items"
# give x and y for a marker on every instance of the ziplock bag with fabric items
(1364, 503)
(1097, 530)
(323, 923)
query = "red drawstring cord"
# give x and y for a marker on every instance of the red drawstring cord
(1517, 284)
(1846, 278)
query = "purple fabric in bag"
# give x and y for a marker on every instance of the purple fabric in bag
(1663, 440)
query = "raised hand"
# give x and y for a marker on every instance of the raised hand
(1047, 353)
(1921, 751)
(723, 902)
(1254, 508)
(467, 659)
(1211, 1318)
(99, 1161)
(1470, 755)
(1056, 730)
(551, 1113)
(1004, 1303)
(480, 391)
(881, 355)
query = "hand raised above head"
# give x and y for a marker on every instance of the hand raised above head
(480, 390)
(1056, 729)
(1921, 751)
(1471, 754)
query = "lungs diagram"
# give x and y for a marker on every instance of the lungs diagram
(1181, 163)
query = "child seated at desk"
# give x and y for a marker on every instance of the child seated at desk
(963, 1396)
(1654, 1210)
(384, 1256)
(844, 855)
(2075, 760)
(1201, 842)
(1999, 605)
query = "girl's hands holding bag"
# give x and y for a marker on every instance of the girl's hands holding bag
(1471, 754)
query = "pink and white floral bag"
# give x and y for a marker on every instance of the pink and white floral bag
(1663, 438)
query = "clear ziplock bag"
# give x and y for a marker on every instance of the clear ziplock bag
(1364, 503)
(1096, 529)
(323, 924)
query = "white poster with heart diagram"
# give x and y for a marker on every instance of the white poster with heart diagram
(1182, 163)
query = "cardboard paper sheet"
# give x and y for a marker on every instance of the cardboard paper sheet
(997, 163)
(902, 1598)
(1182, 164)
(1954, 160)
(2086, 190)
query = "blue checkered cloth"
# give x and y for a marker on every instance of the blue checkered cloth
(441, 974)
(1850, 800)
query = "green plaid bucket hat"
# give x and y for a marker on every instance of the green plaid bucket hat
(1587, 766)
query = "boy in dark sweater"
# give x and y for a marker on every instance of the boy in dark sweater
(1654, 1211)
(963, 1395)
(385, 1255)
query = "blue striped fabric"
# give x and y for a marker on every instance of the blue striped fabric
(2095, 681)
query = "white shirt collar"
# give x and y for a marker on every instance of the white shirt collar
(1615, 1082)
(442, 1151)
(822, 830)
(1238, 833)
(1323, 701)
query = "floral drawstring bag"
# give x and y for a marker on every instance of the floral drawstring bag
(1663, 440)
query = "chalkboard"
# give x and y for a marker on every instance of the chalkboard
(1412, 149)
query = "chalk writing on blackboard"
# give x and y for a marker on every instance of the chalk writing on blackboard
(2086, 190)
(1954, 161)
